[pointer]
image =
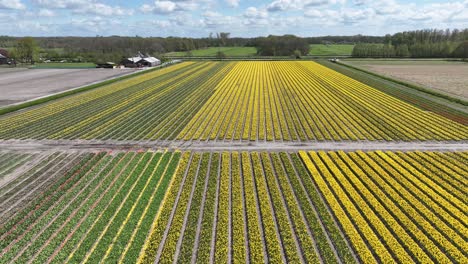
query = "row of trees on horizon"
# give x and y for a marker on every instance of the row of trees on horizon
(419, 43)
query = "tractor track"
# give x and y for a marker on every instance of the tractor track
(215, 146)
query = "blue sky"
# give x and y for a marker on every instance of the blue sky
(197, 18)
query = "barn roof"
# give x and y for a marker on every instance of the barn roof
(151, 59)
(135, 59)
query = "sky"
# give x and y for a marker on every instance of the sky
(242, 18)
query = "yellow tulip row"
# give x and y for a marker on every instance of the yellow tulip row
(238, 228)
(150, 249)
(194, 99)
(70, 102)
(270, 226)
(139, 101)
(390, 205)
(142, 99)
(256, 245)
(403, 211)
(307, 101)
(340, 213)
(285, 226)
(198, 126)
(434, 176)
(424, 125)
(351, 180)
(222, 227)
(446, 162)
(431, 213)
(425, 203)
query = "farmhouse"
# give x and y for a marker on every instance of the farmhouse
(4, 57)
(141, 61)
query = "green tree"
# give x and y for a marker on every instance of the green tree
(402, 51)
(461, 51)
(297, 54)
(220, 55)
(26, 50)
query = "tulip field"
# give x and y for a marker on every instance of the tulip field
(201, 207)
(226, 101)
(233, 162)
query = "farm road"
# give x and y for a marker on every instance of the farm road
(208, 146)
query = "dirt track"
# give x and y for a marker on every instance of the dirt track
(109, 145)
(24, 84)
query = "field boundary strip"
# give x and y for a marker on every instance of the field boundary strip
(212, 146)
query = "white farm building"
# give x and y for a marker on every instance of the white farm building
(141, 61)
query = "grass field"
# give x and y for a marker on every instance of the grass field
(315, 50)
(147, 107)
(211, 52)
(331, 49)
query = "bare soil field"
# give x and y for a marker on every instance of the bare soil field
(18, 85)
(448, 77)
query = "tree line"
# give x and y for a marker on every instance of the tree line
(419, 43)
(429, 43)
(113, 48)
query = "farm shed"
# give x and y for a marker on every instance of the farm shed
(3, 59)
(150, 61)
(141, 61)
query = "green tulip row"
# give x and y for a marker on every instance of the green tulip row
(209, 217)
(189, 234)
(175, 226)
(285, 226)
(28, 243)
(150, 249)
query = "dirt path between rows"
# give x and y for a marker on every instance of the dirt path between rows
(208, 146)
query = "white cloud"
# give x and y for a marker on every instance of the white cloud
(170, 6)
(253, 12)
(283, 5)
(91, 7)
(212, 19)
(280, 5)
(12, 4)
(353, 16)
(232, 3)
(43, 12)
(164, 6)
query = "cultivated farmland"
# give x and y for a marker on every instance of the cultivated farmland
(256, 101)
(240, 206)
(449, 77)
(215, 162)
